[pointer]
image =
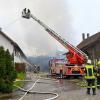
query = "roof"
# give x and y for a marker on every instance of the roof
(13, 43)
(89, 40)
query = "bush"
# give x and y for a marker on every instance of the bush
(5, 87)
(7, 71)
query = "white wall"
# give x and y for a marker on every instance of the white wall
(6, 43)
(19, 59)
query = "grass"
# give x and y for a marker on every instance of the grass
(20, 76)
(41, 74)
(82, 83)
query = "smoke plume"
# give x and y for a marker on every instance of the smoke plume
(29, 35)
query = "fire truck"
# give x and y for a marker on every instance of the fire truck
(58, 67)
(75, 57)
(61, 69)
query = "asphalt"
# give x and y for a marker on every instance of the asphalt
(67, 90)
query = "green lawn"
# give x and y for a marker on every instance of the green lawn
(20, 76)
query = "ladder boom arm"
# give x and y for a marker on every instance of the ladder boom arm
(72, 49)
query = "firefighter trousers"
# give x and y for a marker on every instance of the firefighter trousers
(91, 84)
(98, 82)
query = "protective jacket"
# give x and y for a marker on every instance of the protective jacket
(98, 75)
(98, 69)
(89, 72)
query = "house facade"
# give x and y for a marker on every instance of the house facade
(91, 46)
(14, 49)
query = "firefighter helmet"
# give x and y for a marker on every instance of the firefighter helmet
(89, 61)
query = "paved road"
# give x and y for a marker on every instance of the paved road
(78, 95)
(66, 89)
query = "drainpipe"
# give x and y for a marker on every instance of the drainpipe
(83, 36)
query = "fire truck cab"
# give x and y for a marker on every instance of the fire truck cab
(61, 69)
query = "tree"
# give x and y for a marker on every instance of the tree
(7, 71)
(2, 62)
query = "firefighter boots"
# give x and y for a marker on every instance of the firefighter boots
(88, 90)
(94, 91)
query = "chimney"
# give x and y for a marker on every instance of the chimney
(83, 36)
(0, 29)
(88, 35)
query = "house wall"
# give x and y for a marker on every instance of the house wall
(6, 43)
(18, 58)
(97, 50)
(93, 50)
(20, 67)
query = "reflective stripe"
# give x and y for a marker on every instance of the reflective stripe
(93, 86)
(88, 86)
(89, 68)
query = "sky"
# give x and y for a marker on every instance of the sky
(69, 18)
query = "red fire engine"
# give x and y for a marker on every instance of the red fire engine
(60, 67)
(76, 58)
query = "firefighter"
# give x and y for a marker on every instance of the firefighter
(90, 77)
(98, 74)
(61, 73)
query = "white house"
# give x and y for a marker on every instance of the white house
(14, 49)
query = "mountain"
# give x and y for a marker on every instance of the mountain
(42, 61)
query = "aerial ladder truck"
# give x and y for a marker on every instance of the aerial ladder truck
(75, 57)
